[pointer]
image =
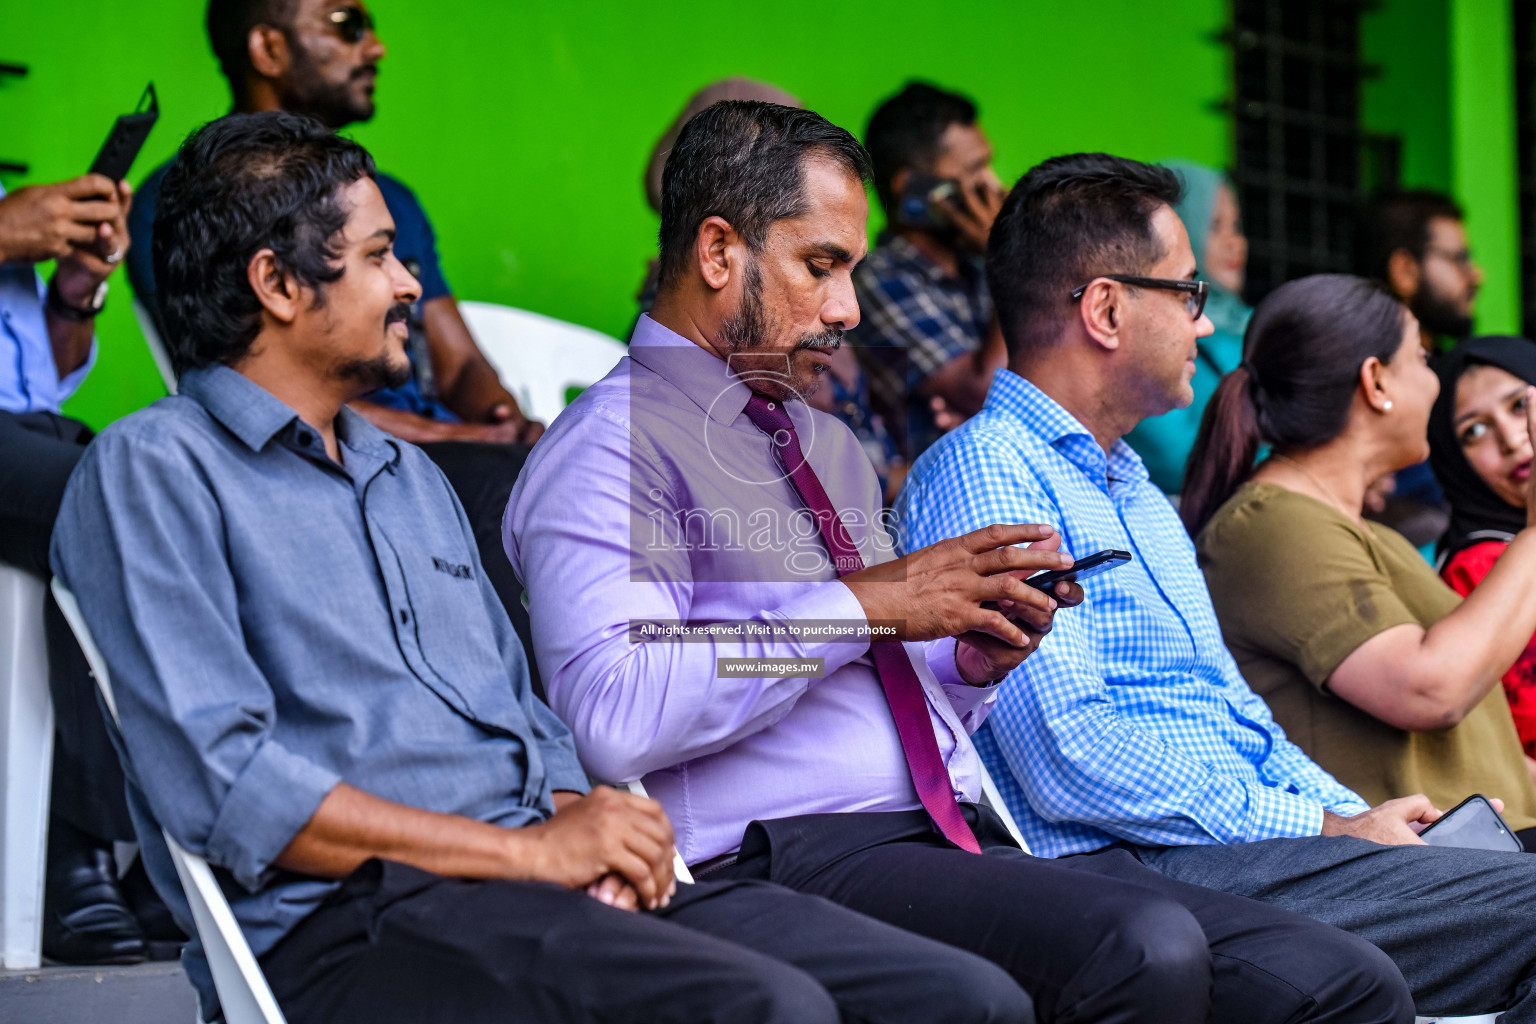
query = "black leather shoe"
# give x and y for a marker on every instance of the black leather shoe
(85, 918)
(163, 939)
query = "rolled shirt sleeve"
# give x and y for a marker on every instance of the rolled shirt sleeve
(139, 541)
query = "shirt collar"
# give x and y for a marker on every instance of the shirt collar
(1018, 400)
(699, 374)
(255, 415)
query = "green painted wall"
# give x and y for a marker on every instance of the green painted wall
(525, 128)
(1484, 172)
(1410, 97)
(1447, 87)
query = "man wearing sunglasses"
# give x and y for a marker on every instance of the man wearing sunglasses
(1131, 726)
(321, 58)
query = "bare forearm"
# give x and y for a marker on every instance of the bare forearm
(1475, 645)
(351, 826)
(405, 425)
(476, 390)
(71, 342)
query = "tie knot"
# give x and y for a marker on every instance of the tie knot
(771, 418)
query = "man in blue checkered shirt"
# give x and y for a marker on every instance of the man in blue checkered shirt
(1132, 724)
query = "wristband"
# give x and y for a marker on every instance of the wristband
(75, 314)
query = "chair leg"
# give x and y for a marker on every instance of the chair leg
(26, 728)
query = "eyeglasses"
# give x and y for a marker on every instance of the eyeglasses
(352, 23)
(1198, 290)
(1461, 258)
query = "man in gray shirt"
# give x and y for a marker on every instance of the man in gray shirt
(321, 694)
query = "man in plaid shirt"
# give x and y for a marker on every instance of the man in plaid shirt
(1131, 724)
(928, 338)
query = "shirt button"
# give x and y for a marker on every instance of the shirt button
(305, 437)
(405, 616)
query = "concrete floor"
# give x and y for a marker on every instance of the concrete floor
(143, 994)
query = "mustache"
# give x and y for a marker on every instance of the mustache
(828, 340)
(400, 312)
(364, 69)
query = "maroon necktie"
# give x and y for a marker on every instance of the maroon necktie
(903, 690)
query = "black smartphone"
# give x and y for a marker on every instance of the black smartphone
(127, 137)
(925, 201)
(1088, 565)
(1475, 825)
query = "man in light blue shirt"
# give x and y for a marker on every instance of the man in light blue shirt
(1132, 724)
(47, 346)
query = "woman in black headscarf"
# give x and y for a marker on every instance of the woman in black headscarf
(1481, 452)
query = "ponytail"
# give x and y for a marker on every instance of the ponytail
(1222, 459)
(1305, 345)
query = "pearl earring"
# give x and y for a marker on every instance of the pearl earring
(1386, 406)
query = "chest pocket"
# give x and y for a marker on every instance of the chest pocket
(443, 625)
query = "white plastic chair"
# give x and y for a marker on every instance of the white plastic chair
(26, 730)
(243, 991)
(157, 349)
(538, 357)
(679, 869)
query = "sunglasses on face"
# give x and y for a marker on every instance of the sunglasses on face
(351, 23)
(1197, 290)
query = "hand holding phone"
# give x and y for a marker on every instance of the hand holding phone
(1083, 568)
(1473, 824)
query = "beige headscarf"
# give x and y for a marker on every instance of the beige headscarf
(726, 89)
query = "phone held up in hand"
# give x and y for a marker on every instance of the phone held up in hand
(1475, 825)
(925, 201)
(127, 137)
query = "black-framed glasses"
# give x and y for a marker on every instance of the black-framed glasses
(1198, 290)
(1462, 258)
(352, 23)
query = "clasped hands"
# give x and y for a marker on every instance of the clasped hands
(972, 587)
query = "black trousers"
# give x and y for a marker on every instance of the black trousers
(401, 945)
(482, 476)
(1095, 937)
(38, 451)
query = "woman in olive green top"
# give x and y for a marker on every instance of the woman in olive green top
(1369, 662)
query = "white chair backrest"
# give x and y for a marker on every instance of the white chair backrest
(157, 350)
(538, 357)
(26, 759)
(243, 993)
(679, 869)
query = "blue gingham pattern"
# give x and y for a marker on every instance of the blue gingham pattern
(1131, 722)
(906, 303)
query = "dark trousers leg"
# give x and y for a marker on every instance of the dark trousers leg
(873, 971)
(401, 945)
(1459, 924)
(1095, 937)
(38, 452)
(482, 476)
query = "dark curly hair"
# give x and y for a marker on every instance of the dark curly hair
(241, 184)
(742, 160)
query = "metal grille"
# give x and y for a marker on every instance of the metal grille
(1524, 12)
(1304, 165)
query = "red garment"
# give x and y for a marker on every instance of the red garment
(1463, 572)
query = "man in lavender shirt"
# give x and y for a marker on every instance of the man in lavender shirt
(661, 530)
